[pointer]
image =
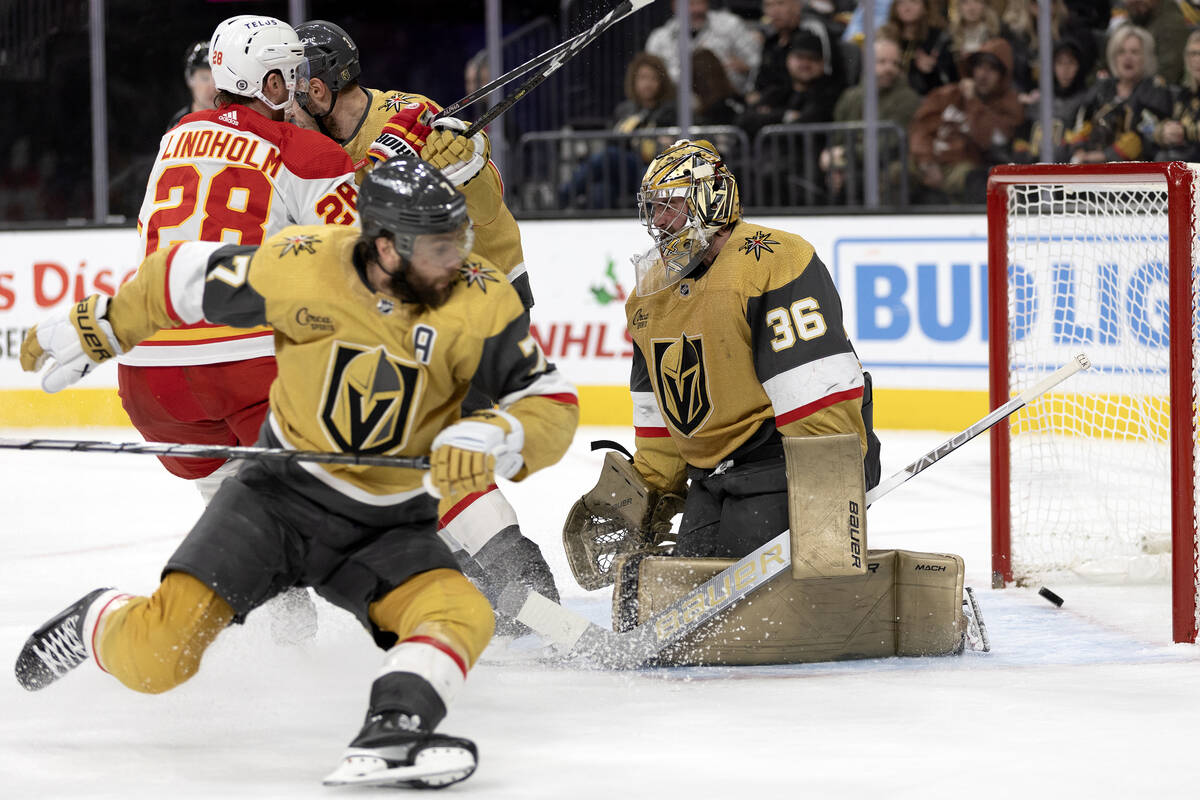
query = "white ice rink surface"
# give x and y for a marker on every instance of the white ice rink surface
(1091, 700)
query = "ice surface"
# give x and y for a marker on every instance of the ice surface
(1091, 700)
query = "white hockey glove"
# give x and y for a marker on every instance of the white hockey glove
(467, 456)
(460, 159)
(76, 340)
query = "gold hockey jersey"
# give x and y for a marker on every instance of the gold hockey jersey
(497, 237)
(360, 371)
(757, 339)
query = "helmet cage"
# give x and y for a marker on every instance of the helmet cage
(686, 197)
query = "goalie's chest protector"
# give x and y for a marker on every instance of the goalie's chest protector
(757, 336)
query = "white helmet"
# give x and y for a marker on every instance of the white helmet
(246, 48)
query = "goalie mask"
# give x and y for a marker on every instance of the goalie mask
(247, 48)
(687, 196)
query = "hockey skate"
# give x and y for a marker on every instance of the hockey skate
(58, 647)
(391, 751)
(975, 631)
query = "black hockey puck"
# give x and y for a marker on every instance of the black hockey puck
(1051, 596)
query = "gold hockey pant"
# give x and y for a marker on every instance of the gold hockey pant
(152, 644)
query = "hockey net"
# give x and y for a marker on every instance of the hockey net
(1097, 481)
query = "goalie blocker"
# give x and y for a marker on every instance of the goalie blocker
(837, 601)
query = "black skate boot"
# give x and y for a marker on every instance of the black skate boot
(57, 647)
(393, 750)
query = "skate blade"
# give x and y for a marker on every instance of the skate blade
(433, 766)
(977, 636)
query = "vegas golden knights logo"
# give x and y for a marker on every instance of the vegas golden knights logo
(369, 398)
(682, 382)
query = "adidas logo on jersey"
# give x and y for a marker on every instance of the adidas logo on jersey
(229, 117)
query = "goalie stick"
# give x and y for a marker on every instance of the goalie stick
(215, 451)
(630, 649)
(533, 63)
(570, 49)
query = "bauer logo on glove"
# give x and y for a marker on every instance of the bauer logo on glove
(75, 340)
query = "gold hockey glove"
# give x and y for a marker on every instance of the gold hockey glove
(467, 455)
(75, 341)
(458, 157)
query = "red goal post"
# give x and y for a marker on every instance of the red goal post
(1100, 478)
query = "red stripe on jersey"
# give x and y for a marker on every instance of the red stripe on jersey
(651, 433)
(445, 648)
(817, 405)
(461, 505)
(211, 340)
(569, 399)
(167, 284)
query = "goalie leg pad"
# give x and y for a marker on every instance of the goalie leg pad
(826, 505)
(929, 595)
(906, 603)
(785, 622)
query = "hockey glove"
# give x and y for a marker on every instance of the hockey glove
(404, 134)
(75, 340)
(467, 456)
(460, 159)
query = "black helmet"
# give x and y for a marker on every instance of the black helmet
(196, 58)
(407, 197)
(332, 55)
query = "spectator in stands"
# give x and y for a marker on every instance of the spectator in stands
(784, 18)
(972, 22)
(897, 103)
(1020, 20)
(720, 31)
(960, 130)
(1178, 138)
(1117, 120)
(1070, 92)
(1091, 14)
(1168, 29)
(607, 179)
(924, 45)
(716, 101)
(810, 95)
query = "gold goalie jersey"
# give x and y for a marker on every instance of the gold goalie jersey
(360, 371)
(756, 340)
(497, 237)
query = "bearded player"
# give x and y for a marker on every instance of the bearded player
(372, 126)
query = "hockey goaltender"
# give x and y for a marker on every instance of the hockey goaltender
(752, 415)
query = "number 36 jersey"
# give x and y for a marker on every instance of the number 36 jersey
(756, 341)
(233, 175)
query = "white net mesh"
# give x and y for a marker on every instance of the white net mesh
(1090, 474)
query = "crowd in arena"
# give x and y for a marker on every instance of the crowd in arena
(958, 91)
(960, 76)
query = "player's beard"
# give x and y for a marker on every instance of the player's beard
(412, 289)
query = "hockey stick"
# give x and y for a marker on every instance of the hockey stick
(215, 451)
(630, 649)
(533, 63)
(572, 48)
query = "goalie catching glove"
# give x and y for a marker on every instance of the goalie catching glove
(75, 341)
(467, 456)
(622, 514)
